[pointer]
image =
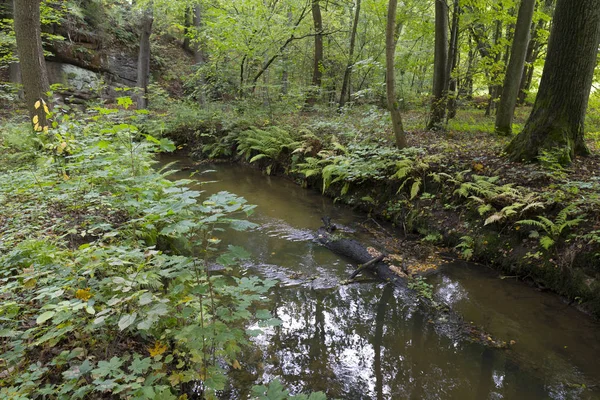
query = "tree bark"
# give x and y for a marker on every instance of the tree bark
(514, 70)
(557, 119)
(390, 52)
(31, 58)
(199, 56)
(318, 60)
(345, 94)
(143, 72)
(317, 76)
(440, 65)
(493, 87)
(453, 61)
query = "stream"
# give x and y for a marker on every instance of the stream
(361, 341)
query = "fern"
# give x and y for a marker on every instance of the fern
(553, 229)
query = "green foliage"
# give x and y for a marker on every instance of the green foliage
(91, 306)
(553, 229)
(423, 288)
(276, 391)
(269, 143)
(466, 247)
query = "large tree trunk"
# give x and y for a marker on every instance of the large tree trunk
(440, 65)
(31, 58)
(390, 80)
(345, 94)
(143, 73)
(514, 71)
(557, 118)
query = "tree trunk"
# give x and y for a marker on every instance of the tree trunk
(453, 61)
(493, 87)
(143, 72)
(285, 78)
(187, 24)
(514, 71)
(31, 58)
(557, 119)
(440, 65)
(345, 94)
(199, 56)
(318, 58)
(390, 51)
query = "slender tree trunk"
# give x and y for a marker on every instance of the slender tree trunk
(557, 119)
(453, 61)
(493, 87)
(390, 52)
(144, 57)
(31, 58)
(187, 23)
(529, 61)
(514, 71)
(345, 93)
(199, 56)
(318, 58)
(440, 65)
(285, 79)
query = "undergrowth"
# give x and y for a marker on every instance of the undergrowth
(105, 285)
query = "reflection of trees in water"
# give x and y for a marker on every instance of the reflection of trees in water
(361, 342)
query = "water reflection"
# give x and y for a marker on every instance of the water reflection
(364, 341)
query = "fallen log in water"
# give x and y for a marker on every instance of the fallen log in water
(445, 320)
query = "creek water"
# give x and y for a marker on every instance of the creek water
(363, 341)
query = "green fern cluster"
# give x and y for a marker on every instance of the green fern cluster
(503, 201)
(269, 143)
(356, 163)
(553, 229)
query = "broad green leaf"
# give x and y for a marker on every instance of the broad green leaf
(45, 317)
(126, 320)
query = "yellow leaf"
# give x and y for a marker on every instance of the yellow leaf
(46, 129)
(46, 109)
(36, 119)
(37, 128)
(478, 167)
(83, 294)
(158, 349)
(37, 104)
(236, 365)
(30, 283)
(174, 379)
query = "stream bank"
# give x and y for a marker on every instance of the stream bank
(364, 340)
(530, 223)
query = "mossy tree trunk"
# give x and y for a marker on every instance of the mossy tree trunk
(557, 118)
(31, 58)
(440, 66)
(390, 79)
(514, 70)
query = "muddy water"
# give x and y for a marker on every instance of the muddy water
(363, 341)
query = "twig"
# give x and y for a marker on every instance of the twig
(366, 265)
